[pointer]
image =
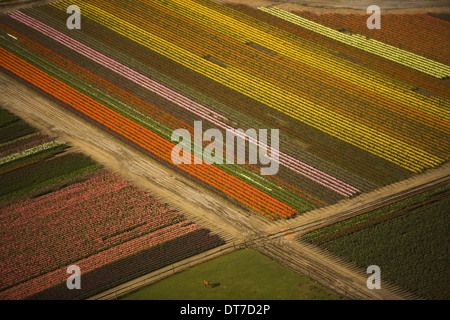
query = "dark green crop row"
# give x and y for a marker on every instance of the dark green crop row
(220, 98)
(159, 128)
(6, 117)
(43, 174)
(12, 127)
(366, 219)
(44, 154)
(36, 172)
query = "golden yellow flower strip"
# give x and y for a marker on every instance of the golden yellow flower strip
(407, 156)
(409, 59)
(353, 74)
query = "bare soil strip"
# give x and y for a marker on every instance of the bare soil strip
(366, 202)
(275, 239)
(337, 6)
(328, 270)
(150, 176)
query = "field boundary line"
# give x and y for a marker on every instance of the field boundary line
(19, 99)
(167, 271)
(363, 203)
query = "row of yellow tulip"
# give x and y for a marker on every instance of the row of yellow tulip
(354, 74)
(409, 59)
(202, 41)
(383, 145)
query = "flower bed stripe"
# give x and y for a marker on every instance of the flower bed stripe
(206, 113)
(144, 137)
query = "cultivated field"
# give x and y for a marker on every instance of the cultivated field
(357, 110)
(60, 209)
(408, 239)
(346, 128)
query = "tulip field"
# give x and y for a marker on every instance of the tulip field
(376, 47)
(353, 113)
(68, 210)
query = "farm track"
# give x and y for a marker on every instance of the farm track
(278, 240)
(328, 270)
(340, 6)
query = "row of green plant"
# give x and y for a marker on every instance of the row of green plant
(43, 174)
(12, 129)
(408, 240)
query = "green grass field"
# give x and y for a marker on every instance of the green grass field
(241, 275)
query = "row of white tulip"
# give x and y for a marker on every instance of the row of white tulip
(30, 151)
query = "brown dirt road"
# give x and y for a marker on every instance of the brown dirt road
(131, 165)
(317, 6)
(351, 6)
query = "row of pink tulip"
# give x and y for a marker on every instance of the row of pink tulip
(79, 221)
(187, 104)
